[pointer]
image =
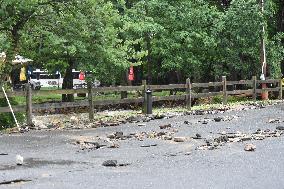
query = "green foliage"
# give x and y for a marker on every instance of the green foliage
(6, 119)
(201, 39)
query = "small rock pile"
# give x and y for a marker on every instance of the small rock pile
(215, 143)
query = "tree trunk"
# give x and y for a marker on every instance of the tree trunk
(68, 82)
(149, 59)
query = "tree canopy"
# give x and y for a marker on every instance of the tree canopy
(166, 41)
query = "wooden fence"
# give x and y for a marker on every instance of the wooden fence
(189, 89)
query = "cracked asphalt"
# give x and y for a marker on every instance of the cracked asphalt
(53, 160)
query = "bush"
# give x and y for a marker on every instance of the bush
(6, 119)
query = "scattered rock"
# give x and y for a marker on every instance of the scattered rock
(111, 136)
(134, 119)
(110, 163)
(167, 137)
(145, 146)
(187, 122)
(223, 138)
(246, 138)
(211, 147)
(92, 145)
(114, 145)
(159, 116)
(273, 121)
(89, 145)
(148, 145)
(250, 147)
(266, 130)
(123, 164)
(204, 122)
(217, 119)
(74, 120)
(165, 126)
(179, 139)
(110, 124)
(147, 119)
(197, 136)
(258, 137)
(161, 133)
(281, 128)
(152, 134)
(19, 160)
(174, 130)
(205, 147)
(119, 135)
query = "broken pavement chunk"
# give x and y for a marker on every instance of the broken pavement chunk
(110, 163)
(217, 119)
(281, 128)
(179, 139)
(250, 147)
(273, 121)
(165, 126)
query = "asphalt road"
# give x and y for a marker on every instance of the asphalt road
(52, 160)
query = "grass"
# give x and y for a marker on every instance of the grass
(99, 96)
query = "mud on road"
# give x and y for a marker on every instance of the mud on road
(232, 148)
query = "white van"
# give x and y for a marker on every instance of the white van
(54, 80)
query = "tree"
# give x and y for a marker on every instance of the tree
(14, 17)
(84, 37)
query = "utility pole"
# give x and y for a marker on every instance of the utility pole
(264, 95)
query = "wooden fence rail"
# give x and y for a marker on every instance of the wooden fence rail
(189, 89)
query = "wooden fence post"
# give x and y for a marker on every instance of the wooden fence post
(254, 88)
(29, 109)
(123, 94)
(91, 103)
(225, 97)
(280, 89)
(188, 94)
(144, 105)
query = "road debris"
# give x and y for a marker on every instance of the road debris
(179, 139)
(197, 136)
(250, 147)
(217, 119)
(16, 181)
(238, 137)
(19, 159)
(148, 145)
(165, 126)
(110, 163)
(274, 121)
(281, 128)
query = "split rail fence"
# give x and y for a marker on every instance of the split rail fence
(189, 89)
